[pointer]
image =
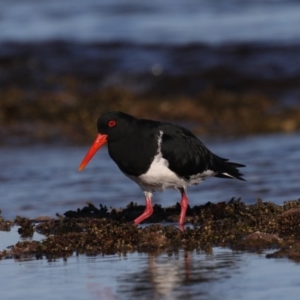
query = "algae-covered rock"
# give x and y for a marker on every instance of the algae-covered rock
(92, 230)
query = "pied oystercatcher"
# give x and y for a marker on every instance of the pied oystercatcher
(158, 155)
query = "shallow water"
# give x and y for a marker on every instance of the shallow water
(153, 22)
(220, 274)
(44, 180)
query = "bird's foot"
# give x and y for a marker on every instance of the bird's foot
(181, 227)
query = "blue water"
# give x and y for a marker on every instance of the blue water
(44, 180)
(219, 275)
(168, 21)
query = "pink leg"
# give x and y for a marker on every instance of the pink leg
(184, 205)
(146, 214)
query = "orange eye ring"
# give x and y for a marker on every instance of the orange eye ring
(111, 123)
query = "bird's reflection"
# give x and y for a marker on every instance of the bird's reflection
(171, 275)
(166, 275)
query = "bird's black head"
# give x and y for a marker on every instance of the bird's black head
(112, 126)
(115, 125)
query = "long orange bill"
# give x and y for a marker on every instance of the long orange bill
(100, 140)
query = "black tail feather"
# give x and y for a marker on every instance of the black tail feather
(229, 169)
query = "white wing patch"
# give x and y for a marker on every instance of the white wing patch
(195, 179)
(226, 174)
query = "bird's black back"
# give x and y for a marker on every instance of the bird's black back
(133, 144)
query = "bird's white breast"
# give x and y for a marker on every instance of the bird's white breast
(159, 176)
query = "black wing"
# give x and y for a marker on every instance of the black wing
(188, 156)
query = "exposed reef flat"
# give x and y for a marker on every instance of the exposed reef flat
(95, 230)
(55, 91)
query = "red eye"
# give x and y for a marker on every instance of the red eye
(111, 123)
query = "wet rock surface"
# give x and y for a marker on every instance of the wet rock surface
(95, 230)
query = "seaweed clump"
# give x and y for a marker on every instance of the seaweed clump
(92, 230)
(5, 225)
